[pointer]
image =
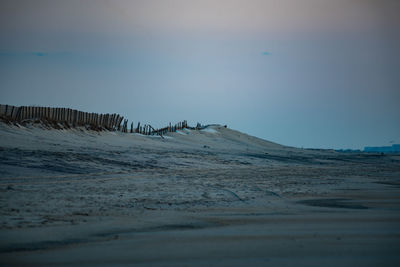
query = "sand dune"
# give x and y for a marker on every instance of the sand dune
(197, 197)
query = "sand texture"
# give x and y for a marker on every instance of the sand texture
(212, 197)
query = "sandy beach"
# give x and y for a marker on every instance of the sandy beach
(214, 197)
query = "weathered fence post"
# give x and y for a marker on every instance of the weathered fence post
(137, 128)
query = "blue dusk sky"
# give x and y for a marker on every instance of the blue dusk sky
(309, 73)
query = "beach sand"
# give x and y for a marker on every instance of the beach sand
(213, 197)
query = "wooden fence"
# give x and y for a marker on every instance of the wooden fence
(69, 116)
(74, 118)
(149, 130)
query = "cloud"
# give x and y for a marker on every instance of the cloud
(18, 53)
(40, 54)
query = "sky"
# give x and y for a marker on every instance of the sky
(309, 73)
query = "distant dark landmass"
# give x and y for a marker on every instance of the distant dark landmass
(395, 148)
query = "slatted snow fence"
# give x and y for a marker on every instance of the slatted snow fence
(61, 115)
